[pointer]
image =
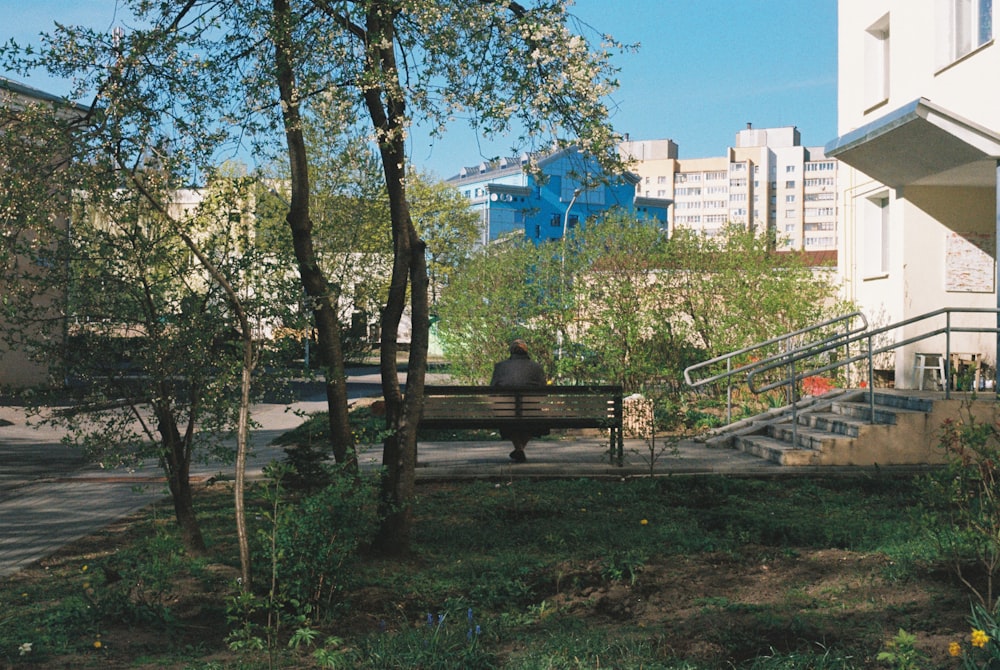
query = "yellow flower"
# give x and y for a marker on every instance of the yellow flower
(954, 649)
(979, 638)
(643, 522)
(97, 644)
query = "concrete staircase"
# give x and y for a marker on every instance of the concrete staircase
(835, 429)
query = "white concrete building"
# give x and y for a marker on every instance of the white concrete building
(768, 180)
(919, 128)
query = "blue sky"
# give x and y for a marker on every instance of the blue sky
(705, 68)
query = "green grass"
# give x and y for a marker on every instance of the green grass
(528, 563)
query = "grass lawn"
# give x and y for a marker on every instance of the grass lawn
(708, 572)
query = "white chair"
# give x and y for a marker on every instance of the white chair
(932, 362)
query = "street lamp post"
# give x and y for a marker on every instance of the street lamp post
(562, 256)
(572, 201)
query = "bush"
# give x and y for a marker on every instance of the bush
(314, 541)
(963, 514)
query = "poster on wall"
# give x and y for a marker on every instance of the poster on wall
(968, 262)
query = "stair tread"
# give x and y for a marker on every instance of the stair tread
(775, 443)
(881, 407)
(809, 431)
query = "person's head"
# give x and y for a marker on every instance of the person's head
(519, 346)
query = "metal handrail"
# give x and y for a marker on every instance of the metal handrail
(792, 356)
(830, 342)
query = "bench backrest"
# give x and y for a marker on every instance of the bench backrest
(569, 406)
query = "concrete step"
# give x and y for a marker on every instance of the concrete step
(904, 402)
(832, 422)
(884, 413)
(775, 450)
(829, 430)
(804, 437)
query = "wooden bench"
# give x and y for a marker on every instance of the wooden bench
(535, 408)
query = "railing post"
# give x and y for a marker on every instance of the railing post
(795, 407)
(947, 355)
(871, 383)
(729, 391)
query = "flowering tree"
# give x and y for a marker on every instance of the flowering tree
(199, 78)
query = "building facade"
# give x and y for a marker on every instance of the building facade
(767, 181)
(27, 114)
(919, 144)
(511, 200)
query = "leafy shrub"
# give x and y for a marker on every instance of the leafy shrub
(964, 504)
(314, 541)
(445, 641)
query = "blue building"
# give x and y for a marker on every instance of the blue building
(571, 188)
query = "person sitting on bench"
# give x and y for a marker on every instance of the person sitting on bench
(518, 371)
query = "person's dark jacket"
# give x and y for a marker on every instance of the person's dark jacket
(518, 370)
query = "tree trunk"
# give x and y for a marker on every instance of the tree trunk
(176, 454)
(399, 455)
(314, 281)
(242, 447)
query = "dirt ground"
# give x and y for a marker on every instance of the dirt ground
(713, 609)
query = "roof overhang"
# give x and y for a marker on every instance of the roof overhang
(510, 189)
(921, 144)
(646, 201)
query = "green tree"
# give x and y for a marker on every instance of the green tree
(445, 222)
(200, 76)
(724, 285)
(505, 290)
(619, 302)
(44, 256)
(349, 212)
(624, 331)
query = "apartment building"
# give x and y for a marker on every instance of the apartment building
(26, 156)
(571, 188)
(919, 146)
(767, 181)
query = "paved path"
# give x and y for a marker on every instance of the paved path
(49, 496)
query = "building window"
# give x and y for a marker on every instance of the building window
(789, 198)
(790, 184)
(685, 177)
(789, 168)
(820, 211)
(877, 62)
(822, 181)
(876, 223)
(967, 25)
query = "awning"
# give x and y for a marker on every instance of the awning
(921, 144)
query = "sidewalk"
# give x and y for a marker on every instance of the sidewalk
(50, 496)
